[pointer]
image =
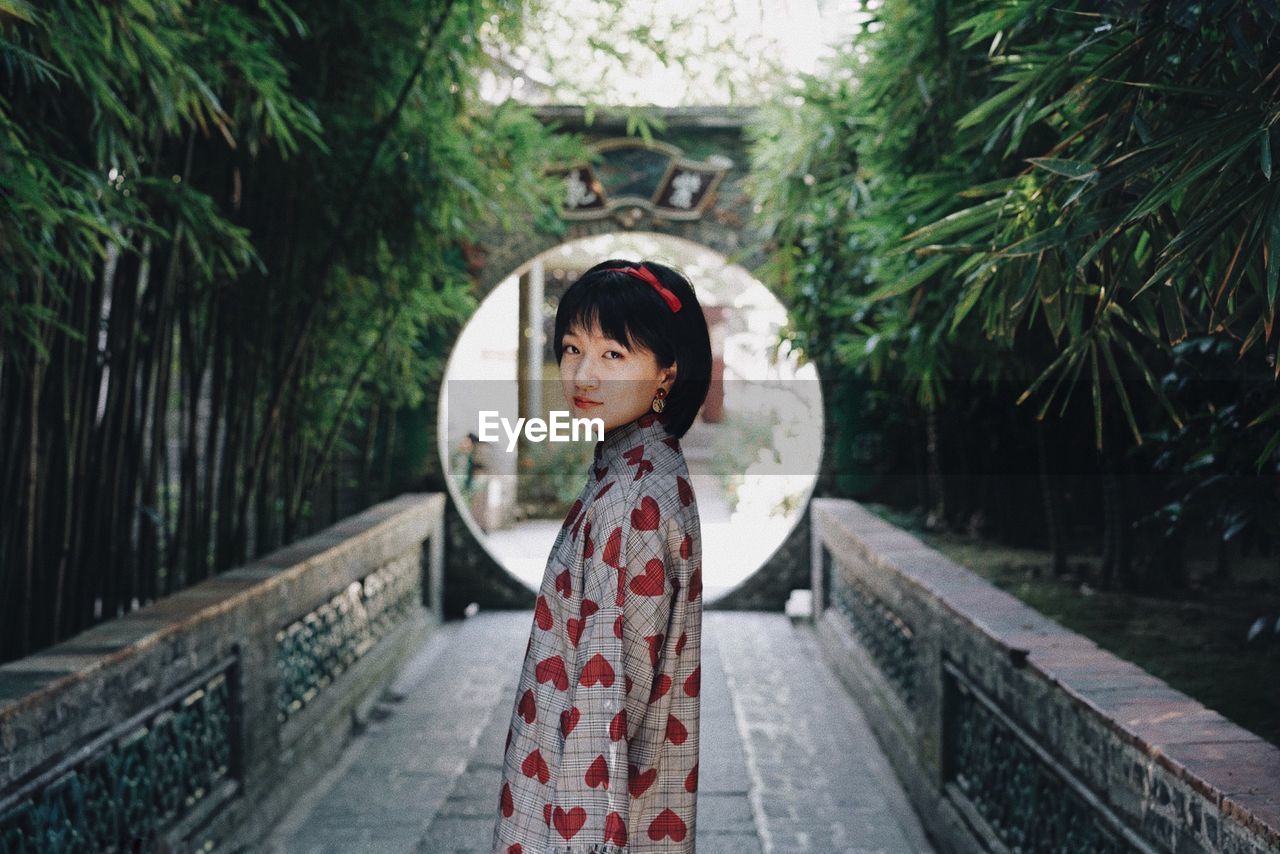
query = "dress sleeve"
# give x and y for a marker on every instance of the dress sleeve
(644, 595)
(626, 608)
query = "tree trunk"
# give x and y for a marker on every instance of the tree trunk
(1116, 558)
(936, 518)
(1052, 517)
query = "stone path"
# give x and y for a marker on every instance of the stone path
(788, 762)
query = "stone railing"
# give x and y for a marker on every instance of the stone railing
(190, 724)
(1010, 732)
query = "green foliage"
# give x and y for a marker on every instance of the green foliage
(977, 206)
(234, 241)
(612, 54)
(992, 175)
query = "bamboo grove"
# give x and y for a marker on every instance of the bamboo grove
(233, 246)
(1037, 248)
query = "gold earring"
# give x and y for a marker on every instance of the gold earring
(658, 404)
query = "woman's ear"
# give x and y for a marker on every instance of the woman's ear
(669, 376)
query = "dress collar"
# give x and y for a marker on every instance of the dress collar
(644, 430)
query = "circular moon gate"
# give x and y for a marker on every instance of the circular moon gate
(688, 184)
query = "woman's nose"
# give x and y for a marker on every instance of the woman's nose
(586, 372)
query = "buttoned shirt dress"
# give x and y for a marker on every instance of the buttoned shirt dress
(601, 755)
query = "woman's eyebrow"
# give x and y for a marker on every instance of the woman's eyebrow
(605, 339)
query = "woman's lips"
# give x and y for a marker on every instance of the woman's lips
(583, 403)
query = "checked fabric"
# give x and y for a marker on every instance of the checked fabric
(602, 752)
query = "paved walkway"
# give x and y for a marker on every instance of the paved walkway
(788, 762)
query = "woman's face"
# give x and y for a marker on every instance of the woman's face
(603, 379)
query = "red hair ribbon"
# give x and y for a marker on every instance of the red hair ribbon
(646, 275)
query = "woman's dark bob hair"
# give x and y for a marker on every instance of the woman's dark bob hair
(633, 314)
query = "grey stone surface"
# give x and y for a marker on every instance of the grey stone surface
(817, 778)
(1161, 769)
(787, 762)
(65, 708)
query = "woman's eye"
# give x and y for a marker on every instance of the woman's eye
(570, 347)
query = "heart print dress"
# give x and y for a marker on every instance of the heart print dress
(602, 753)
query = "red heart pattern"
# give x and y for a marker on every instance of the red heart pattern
(597, 670)
(564, 584)
(568, 823)
(694, 682)
(535, 766)
(598, 773)
(552, 670)
(655, 646)
(569, 720)
(667, 823)
(613, 549)
(676, 731)
(505, 802)
(662, 642)
(542, 614)
(636, 457)
(575, 627)
(574, 630)
(654, 580)
(685, 491)
(646, 516)
(638, 783)
(615, 829)
(528, 710)
(618, 726)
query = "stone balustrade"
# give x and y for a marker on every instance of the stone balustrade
(190, 724)
(1012, 733)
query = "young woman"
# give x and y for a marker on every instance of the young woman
(602, 753)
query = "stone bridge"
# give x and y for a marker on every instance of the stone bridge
(316, 701)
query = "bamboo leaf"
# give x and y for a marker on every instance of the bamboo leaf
(1273, 257)
(967, 302)
(19, 9)
(955, 222)
(1264, 158)
(911, 279)
(1074, 169)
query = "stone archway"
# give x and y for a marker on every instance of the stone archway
(693, 137)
